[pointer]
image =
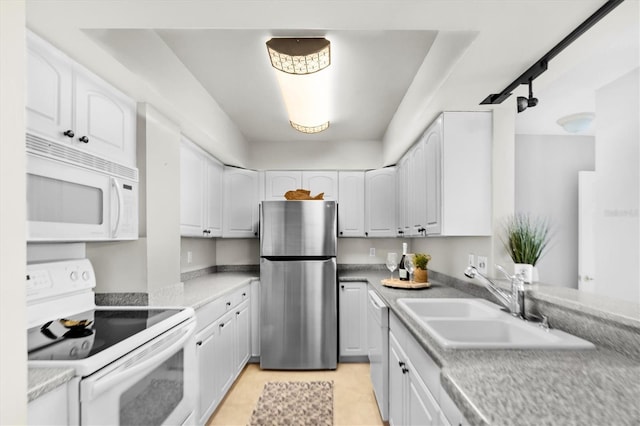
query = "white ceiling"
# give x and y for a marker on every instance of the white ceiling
(395, 64)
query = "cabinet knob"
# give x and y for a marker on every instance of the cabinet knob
(228, 303)
(199, 343)
(342, 287)
(221, 325)
(244, 294)
(83, 139)
(366, 234)
(401, 364)
(404, 370)
(341, 232)
(255, 234)
(69, 133)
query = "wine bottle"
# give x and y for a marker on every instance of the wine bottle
(402, 271)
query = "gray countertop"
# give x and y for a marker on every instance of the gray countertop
(524, 387)
(43, 380)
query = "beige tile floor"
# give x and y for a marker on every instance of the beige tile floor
(353, 399)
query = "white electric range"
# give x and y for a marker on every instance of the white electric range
(133, 365)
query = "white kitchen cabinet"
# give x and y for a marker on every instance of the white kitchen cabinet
(240, 203)
(105, 119)
(402, 191)
(200, 192)
(417, 202)
(416, 396)
(255, 318)
(243, 335)
(50, 408)
(353, 320)
(351, 204)
(67, 103)
(278, 182)
(325, 182)
(222, 347)
(458, 164)
(380, 202)
(49, 91)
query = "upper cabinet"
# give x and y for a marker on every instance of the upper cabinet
(278, 182)
(241, 204)
(201, 178)
(458, 179)
(380, 202)
(351, 204)
(67, 103)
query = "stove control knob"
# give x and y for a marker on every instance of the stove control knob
(73, 352)
(74, 275)
(85, 275)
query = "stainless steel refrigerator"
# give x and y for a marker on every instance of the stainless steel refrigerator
(298, 302)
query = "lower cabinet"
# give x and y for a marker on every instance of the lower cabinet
(223, 347)
(416, 396)
(353, 321)
(50, 408)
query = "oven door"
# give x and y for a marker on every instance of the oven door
(153, 385)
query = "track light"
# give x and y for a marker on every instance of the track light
(524, 103)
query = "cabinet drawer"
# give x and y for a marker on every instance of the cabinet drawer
(210, 312)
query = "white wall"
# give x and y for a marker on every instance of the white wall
(356, 250)
(316, 155)
(13, 345)
(203, 253)
(547, 186)
(617, 221)
(237, 251)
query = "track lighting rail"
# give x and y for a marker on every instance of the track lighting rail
(541, 65)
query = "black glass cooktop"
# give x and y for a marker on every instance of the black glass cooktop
(55, 341)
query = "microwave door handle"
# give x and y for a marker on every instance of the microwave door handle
(116, 184)
(148, 363)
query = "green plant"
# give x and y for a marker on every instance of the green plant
(526, 238)
(420, 260)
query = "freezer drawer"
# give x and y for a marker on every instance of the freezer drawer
(299, 326)
(298, 228)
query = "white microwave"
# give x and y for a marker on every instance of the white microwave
(73, 195)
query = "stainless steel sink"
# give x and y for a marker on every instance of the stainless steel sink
(479, 324)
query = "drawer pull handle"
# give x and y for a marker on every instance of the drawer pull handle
(83, 139)
(69, 133)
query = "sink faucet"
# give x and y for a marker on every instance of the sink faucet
(514, 301)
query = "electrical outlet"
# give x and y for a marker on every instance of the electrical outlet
(189, 257)
(372, 251)
(472, 260)
(482, 264)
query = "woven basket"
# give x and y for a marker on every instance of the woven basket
(420, 275)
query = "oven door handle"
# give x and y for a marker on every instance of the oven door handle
(147, 363)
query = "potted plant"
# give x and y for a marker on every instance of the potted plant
(527, 238)
(420, 261)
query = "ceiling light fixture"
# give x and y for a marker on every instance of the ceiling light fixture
(524, 103)
(299, 62)
(576, 123)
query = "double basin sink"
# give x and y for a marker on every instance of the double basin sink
(479, 324)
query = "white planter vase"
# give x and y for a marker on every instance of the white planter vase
(527, 271)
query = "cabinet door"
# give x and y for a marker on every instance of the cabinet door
(240, 205)
(418, 189)
(433, 187)
(255, 318)
(225, 352)
(324, 181)
(397, 382)
(49, 91)
(351, 204)
(50, 409)
(423, 408)
(380, 199)
(243, 335)
(353, 319)
(207, 343)
(213, 197)
(105, 117)
(191, 192)
(277, 182)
